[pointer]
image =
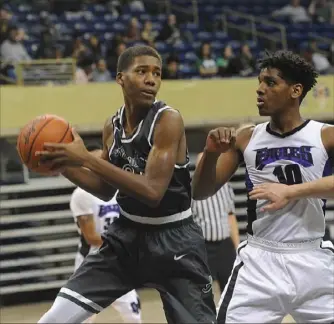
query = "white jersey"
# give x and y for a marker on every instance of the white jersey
(104, 213)
(295, 157)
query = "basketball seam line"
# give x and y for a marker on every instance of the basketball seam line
(33, 142)
(68, 126)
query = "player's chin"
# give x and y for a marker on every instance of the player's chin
(147, 102)
(264, 112)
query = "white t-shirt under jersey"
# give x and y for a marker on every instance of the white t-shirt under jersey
(296, 157)
(104, 213)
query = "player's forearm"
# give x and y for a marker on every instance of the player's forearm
(322, 188)
(94, 240)
(134, 185)
(204, 179)
(234, 230)
(90, 182)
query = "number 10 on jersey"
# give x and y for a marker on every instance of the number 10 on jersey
(289, 175)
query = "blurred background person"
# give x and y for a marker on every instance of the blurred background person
(216, 216)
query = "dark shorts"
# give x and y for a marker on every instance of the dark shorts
(221, 256)
(170, 258)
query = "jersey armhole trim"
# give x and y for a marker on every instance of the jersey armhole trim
(151, 132)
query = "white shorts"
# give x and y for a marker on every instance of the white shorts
(270, 280)
(128, 306)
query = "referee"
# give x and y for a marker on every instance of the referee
(216, 216)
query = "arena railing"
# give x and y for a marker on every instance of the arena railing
(281, 38)
(46, 71)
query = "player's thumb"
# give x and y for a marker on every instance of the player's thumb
(268, 207)
(75, 134)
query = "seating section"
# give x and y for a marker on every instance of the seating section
(96, 19)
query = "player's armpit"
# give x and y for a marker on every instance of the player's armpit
(88, 230)
(150, 187)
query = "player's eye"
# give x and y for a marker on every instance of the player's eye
(157, 74)
(141, 71)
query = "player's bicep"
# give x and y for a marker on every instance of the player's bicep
(328, 141)
(87, 226)
(164, 153)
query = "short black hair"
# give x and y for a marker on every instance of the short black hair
(293, 67)
(127, 57)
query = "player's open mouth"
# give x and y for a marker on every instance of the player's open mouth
(260, 102)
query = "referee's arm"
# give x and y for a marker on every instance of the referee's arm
(232, 219)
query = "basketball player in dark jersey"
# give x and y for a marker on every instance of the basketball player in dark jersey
(155, 242)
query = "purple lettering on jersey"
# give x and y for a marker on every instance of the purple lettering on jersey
(105, 209)
(301, 155)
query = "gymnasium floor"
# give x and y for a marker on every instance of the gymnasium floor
(151, 311)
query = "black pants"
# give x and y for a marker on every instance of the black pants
(221, 255)
(170, 258)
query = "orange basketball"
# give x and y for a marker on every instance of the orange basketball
(46, 128)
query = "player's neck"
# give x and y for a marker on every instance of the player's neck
(132, 117)
(286, 122)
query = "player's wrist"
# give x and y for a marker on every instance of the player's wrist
(211, 153)
(291, 192)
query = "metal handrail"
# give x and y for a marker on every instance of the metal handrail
(255, 33)
(193, 10)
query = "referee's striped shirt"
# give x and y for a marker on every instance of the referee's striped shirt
(212, 213)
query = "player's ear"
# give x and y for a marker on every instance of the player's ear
(297, 90)
(119, 78)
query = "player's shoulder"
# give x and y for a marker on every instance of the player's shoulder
(163, 111)
(80, 193)
(245, 131)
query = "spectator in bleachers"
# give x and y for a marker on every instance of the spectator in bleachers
(294, 11)
(148, 35)
(47, 48)
(77, 48)
(246, 61)
(95, 48)
(171, 70)
(170, 33)
(5, 23)
(100, 73)
(132, 33)
(206, 63)
(319, 60)
(321, 10)
(85, 67)
(12, 50)
(228, 63)
(113, 54)
(136, 6)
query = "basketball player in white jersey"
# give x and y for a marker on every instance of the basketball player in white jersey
(280, 194)
(93, 216)
(283, 267)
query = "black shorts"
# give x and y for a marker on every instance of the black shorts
(170, 258)
(221, 256)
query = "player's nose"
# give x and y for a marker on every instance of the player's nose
(149, 80)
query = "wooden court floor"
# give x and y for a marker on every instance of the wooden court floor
(151, 311)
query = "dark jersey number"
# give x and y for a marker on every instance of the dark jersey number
(288, 175)
(107, 222)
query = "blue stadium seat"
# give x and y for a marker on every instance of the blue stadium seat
(204, 36)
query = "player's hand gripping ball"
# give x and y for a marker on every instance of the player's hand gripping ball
(220, 139)
(33, 136)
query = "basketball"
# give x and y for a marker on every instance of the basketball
(42, 129)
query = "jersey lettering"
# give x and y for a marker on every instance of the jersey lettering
(301, 155)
